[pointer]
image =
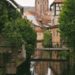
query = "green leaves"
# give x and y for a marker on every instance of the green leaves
(11, 33)
(17, 31)
(14, 29)
(67, 22)
(47, 39)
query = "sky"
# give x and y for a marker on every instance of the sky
(29, 2)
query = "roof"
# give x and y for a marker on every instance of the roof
(54, 26)
(31, 18)
(37, 20)
(29, 9)
(58, 1)
(15, 3)
(30, 13)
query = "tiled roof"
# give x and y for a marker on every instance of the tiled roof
(30, 16)
(54, 26)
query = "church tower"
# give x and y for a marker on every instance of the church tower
(41, 7)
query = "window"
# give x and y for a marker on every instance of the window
(38, 2)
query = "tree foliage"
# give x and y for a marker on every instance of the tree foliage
(67, 22)
(7, 13)
(3, 14)
(15, 29)
(47, 39)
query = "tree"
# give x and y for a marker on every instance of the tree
(3, 14)
(7, 13)
(19, 32)
(47, 42)
(67, 22)
(16, 30)
(67, 28)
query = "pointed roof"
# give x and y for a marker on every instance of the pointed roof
(12, 1)
(14, 4)
(54, 26)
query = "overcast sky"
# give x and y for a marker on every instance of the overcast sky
(29, 2)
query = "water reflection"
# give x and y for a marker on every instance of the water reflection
(33, 71)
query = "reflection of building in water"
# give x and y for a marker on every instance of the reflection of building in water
(41, 68)
(33, 72)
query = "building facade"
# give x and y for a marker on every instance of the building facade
(55, 8)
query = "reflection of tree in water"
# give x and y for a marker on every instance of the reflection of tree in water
(23, 69)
